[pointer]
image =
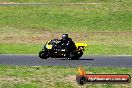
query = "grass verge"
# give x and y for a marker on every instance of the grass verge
(102, 17)
(66, 1)
(90, 50)
(24, 29)
(53, 77)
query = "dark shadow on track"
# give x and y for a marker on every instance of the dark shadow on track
(86, 59)
(78, 59)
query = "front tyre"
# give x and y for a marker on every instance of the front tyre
(43, 54)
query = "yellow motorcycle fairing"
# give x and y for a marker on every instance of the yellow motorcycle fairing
(78, 45)
(48, 46)
(82, 45)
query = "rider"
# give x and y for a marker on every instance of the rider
(65, 39)
(70, 45)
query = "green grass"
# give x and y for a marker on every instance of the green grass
(24, 29)
(66, 1)
(90, 50)
(19, 49)
(108, 50)
(53, 77)
(103, 17)
(17, 41)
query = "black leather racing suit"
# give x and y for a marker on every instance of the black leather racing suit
(70, 45)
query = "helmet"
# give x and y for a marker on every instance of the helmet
(65, 36)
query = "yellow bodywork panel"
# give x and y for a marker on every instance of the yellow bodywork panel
(48, 46)
(80, 44)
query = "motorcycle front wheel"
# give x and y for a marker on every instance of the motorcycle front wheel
(43, 54)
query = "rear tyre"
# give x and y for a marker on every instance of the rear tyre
(75, 55)
(72, 56)
(79, 54)
(43, 54)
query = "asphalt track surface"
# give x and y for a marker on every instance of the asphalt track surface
(92, 61)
